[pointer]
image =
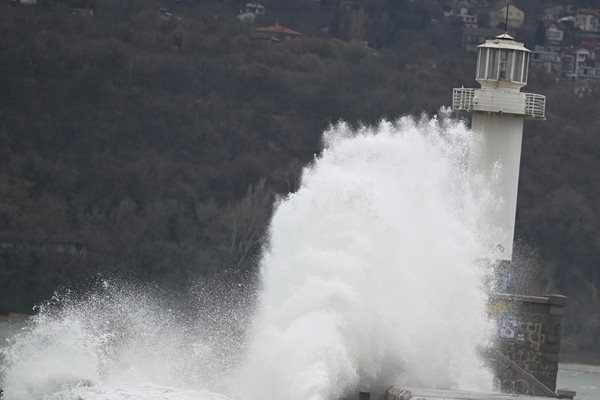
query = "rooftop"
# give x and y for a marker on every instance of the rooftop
(504, 41)
(278, 29)
(589, 11)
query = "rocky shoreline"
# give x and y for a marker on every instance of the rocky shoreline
(14, 317)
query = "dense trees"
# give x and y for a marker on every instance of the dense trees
(139, 143)
(558, 209)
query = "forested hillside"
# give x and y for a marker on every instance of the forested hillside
(151, 144)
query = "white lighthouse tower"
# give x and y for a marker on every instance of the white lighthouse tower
(499, 108)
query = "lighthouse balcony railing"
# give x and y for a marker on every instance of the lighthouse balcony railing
(535, 106)
(462, 99)
(529, 105)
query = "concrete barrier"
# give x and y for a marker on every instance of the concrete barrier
(408, 393)
(395, 393)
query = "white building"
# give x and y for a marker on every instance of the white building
(588, 20)
(581, 63)
(554, 35)
(552, 13)
(251, 12)
(254, 8)
(516, 16)
(464, 14)
(247, 18)
(547, 60)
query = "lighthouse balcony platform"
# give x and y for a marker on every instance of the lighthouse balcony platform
(529, 105)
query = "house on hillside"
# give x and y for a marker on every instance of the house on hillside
(463, 13)
(582, 62)
(547, 59)
(554, 35)
(251, 12)
(587, 20)
(497, 16)
(275, 33)
(555, 12)
(254, 8)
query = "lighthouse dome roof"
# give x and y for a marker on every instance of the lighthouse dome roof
(504, 41)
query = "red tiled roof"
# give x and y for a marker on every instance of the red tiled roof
(282, 30)
(571, 50)
(590, 12)
(593, 46)
(575, 50)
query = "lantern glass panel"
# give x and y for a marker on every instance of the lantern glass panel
(492, 70)
(506, 64)
(518, 73)
(526, 68)
(481, 63)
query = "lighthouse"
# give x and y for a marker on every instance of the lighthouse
(498, 110)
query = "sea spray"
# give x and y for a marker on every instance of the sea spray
(370, 277)
(124, 341)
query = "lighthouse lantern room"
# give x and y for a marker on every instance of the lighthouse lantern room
(502, 62)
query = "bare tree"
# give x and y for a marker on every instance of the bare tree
(247, 222)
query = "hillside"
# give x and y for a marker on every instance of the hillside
(151, 144)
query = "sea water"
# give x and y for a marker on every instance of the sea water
(369, 277)
(583, 379)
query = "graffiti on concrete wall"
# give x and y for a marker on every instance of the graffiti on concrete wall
(509, 328)
(513, 386)
(522, 337)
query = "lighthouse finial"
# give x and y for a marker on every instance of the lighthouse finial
(506, 22)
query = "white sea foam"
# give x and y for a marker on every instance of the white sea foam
(371, 274)
(122, 342)
(370, 278)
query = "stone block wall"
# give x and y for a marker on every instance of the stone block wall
(529, 329)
